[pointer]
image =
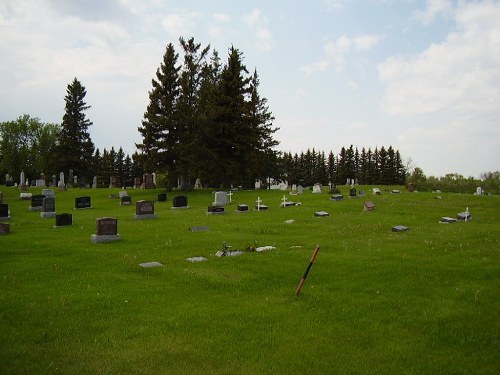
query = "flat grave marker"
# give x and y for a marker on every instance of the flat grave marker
(4, 228)
(242, 208)
(215, 210)
(369, 206)
(321, 214)
(400, 228)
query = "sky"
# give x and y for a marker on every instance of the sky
(420, 76)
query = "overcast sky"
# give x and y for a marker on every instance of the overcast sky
(422, 76)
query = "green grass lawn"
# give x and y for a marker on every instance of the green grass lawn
(425, 301)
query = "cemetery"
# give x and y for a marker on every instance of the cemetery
(196, 291)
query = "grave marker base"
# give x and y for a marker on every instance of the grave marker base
(95, 238)
(145, 217)
(47, 214)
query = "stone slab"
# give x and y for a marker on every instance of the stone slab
(150, 264)
(196, 259)
(400, 228)
(105, 238)
(321, 214)
(199, 228)
(46, 215)
(145, 217)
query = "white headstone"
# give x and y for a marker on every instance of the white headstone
(479, 190)
(94, 182)
(317, 189)
(221, 198)
(22, 178)
(61, 179)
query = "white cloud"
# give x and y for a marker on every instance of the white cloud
(258, 23)
(433, 9)
(178, 24)
(459, 75)
(336, 51)
(220, 17)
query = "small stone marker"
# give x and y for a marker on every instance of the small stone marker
(199, 228)
(48, 193)
(49, 207)
(464, 216)
(321, 214)
(447, 220)
(150, 264)
(395, 191)
(82, 203)
(317, 188)
(122, 193)
(399, 228)
(376, 191)
(4, 211)
(242, 208)
(286, 203)
(180, 201)
(126, 200)
(336, 197)
(106, 230)
(369, 206)
(300, 189)
(144, 210)
(196, 259)
(290, 221)
(37, 202)
(215, 210)
(4, 228)
(63, 220)
(264, 248)
(162, 197)
(25, 196)
(352, 192)
(259, 206)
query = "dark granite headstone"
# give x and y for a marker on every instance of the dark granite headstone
(126, 200)
(336, 197)
(49, 204)
(4, 210)
(63, 220)
(82, 203)
(144, 207)
(261, 207)
(106, 226)
(1, 197)
(4, 228)
(180, 201)
(447, 219)
(10, 183)
(242, 208)
(352, 192)
(162, 197)
(37, 202)
(215, 210)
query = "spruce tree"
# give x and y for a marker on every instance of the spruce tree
(75, 148)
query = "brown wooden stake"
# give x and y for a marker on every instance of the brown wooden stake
(303, 280)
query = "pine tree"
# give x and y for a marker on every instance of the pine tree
(75, 148)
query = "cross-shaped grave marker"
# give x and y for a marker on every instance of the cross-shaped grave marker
(230, 195)
(258, 201)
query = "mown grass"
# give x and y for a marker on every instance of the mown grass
(422, 301)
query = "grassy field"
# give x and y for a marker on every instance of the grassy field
(425, 301)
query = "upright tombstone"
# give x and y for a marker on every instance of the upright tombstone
(221, 198)
(148, 181)
(63, 220)
(37, 202)
(61, 185)
(300, 189)
(137, 182)
(144, 210)
(49, 207)
(112, 182)
(82, 203)
(4, 211)
(180, 201)
(1, 197)
(411, 187)
(70, 179)
(197, 184)
(479, 191)
(376, 191)
(352, 192)
(259, 206)
(48, 193)
(162, 197)
(317, 188)
(126, 200)
(94, 182)
(54, 181)
(22, 182)
(106, 230)
(4, 228)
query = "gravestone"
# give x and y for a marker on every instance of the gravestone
(215, 210)
(411, 187)
(54, 181)
(352, 192)
(137, 182)
(61, 185)
(106, 230)
(63, 220)
(336, 197)
(126, 200)
(122, 193)
(376, 191)
(321, 214)
(82, 203)
(148, 181)
(70, 179)
(49, 207)
(196, 259)
(395, 191)
(242, 208)
(199, 228)
(197, 184)
(94, 183)
(1, 197)
(369, 206)
(144, 210)
(479, 191)
(25, 196)
(48, 193)
(300, 189)
(361, 193)
(464, 216)
(317, 188)
(4, 228)
(259, 206)
(286, 203)
(22, 182)
(162, 197)
(4, 211)
(221, 198)
(37, 202)
(447, 220)
(150, 264)
(400, 228)
(112, 182)
(180, 201)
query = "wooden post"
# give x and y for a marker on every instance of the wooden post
(303, 280)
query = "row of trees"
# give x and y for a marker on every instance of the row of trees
(206, 120)
(380, 166)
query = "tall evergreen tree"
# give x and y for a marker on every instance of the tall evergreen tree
(75, 148)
